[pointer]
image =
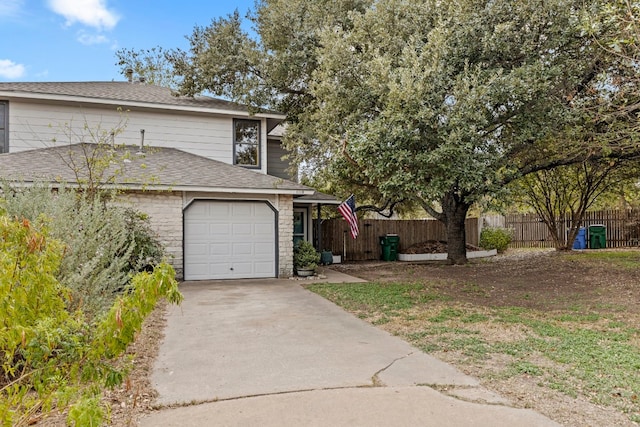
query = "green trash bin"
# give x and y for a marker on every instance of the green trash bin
(386, 249)
(394, 242)
(597, 236)
(389, 245)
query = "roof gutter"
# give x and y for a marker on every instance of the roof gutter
(124, 103)
(155, 187)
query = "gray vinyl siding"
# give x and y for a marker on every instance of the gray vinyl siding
(38, 125)
(275, 165)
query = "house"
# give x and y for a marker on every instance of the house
(208, 172)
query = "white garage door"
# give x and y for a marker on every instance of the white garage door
(229, 240)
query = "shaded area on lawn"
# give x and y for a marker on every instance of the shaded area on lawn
(539, 279)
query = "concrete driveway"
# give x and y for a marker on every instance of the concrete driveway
(270, 353)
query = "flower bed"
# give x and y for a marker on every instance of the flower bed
(433, 250)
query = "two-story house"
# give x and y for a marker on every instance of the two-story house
(209, 174)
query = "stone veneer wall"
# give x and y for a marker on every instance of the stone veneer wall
(285, 237)
(165, 216)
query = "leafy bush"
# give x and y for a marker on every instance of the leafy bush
(495, 238)
(52, 358)
(305, 256)
(104, 244)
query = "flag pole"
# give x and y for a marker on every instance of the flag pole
(344, 245)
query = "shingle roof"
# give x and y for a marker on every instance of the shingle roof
(157, 168)
(124, 92)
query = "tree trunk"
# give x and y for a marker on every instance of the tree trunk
(454, 214)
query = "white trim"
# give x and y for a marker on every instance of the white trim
(316, 202)
(138, 104)
(186, 188)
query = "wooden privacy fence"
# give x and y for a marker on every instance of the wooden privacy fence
(622, 228)
(336, 237)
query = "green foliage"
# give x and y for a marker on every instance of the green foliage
(118, 327)
(151, 64)
(103, 243)
(495, 238)
(438, 103)
(305, 256)
(32, 301)
(53, 358)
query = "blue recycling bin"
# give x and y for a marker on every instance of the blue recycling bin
(581, 239)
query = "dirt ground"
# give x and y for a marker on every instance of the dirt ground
(538, 279)
(543, 280)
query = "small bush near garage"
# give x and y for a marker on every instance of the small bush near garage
(104, 243)
(495, 238)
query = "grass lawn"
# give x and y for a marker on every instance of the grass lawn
(565, 324)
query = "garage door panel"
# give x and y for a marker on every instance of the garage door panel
(199, 249)
(199, 210)
(219, 230)
(242, 229)
(229, 239)
(263, 267)
(262, 249)
(217, 210)
(218, 249)
(242, 269)
(262, 230)
(199, 228)
(243, 209)
(199, 269)
(242, 249)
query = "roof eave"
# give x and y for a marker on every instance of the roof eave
(316, 202)
(185, 188)
(138, 104)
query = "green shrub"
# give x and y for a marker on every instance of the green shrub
(104, 243)
(495, 238)
(305, 256)
(52, 358)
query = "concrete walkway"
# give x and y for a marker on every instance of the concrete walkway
(270, 353)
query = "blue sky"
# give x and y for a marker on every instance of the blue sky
(76, 40)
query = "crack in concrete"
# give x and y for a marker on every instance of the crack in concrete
(196, 402)
(448, 390)
(375, 380)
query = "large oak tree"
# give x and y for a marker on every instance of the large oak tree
(442, 102)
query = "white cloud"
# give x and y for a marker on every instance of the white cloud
(11, 70)
(10, 7)
(89, 39)
(93, 13)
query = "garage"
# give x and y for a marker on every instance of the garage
(229, 240)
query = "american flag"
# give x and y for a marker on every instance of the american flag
(348, 211)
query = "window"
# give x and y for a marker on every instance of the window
(246, 143)
(4, 127)
(299, 226)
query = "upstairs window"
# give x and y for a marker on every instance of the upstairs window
(4, 127)
(246, 143)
